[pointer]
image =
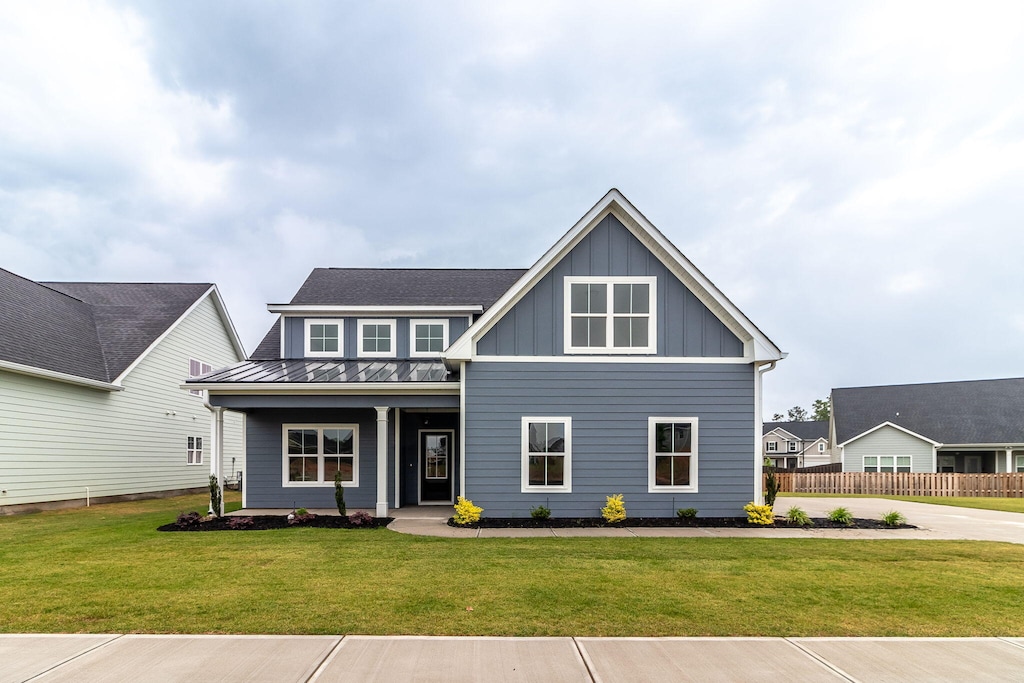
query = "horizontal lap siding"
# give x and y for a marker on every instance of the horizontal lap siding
(609, 405)
(888, 441)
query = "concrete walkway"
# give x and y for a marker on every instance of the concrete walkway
(278, 659)
(940, 522)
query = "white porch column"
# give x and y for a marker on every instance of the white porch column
(1009, 460)
(217, 453)
(382, 461)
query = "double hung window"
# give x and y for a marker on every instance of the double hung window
(194, 451)
(773, 447)
(610, 315)
(672, 445)
(547, 454)
(314, 454)
(792, 446)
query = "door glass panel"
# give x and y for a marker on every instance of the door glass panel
(436, 456)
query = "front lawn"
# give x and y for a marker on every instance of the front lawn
(1003, 504)
(106, 569)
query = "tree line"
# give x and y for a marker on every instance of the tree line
(821, 409)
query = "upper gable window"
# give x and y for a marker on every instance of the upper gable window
(792, 446)
(325, 338)
(377, 338)
(821, 448)
(197, 368)
(773, 446)
(610, 314)
(429, 338)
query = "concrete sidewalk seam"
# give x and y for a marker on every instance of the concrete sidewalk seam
(326, 660)
(116, 636)
(585, 656)
(1012, 642)
(821, 660)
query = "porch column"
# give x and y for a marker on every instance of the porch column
(1009, 460)
(382, 461)
(217, 454)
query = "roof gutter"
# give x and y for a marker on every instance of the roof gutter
(58, 376)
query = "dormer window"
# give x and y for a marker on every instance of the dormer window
(429, 338)
(325, 338)
(610, 315)
(377, 338)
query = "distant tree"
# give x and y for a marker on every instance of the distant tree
(778, 417)
(822, 409)
(797, 414)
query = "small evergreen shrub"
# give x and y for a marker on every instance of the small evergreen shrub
(339, 493)
(540, 512)
(466, 512)
(240, 522)
(686, 513)
(301, 511)
(894, 518)
(187, 519)
(360, 519)
(840, 515)
(795, 515)
(759, 514)
(614, 510)
(771, 487)
(215, 499)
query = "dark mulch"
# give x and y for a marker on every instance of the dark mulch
(264, 522)
(719, 522)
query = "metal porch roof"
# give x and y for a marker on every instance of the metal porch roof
(305, 371)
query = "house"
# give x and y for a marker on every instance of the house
(611, 366)
(973, 426)
(796, 444)
(91, 405)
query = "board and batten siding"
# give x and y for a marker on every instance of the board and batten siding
(610, 405)
(56, 439)
(888, 441)
(295, 333)
(535, 325)
(265, 443)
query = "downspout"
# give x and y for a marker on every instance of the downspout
(217, 454)
(758, 429)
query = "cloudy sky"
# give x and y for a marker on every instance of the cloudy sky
(851, 175)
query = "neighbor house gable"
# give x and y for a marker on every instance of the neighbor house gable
(893, 426)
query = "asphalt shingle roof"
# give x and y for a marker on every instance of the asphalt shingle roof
(87, 329)
(972, 412)
(810, 430)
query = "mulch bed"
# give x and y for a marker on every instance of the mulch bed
(712, 522)
(264, 522)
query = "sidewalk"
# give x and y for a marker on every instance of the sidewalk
(277, 659)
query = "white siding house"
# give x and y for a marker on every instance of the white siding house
(67, 432)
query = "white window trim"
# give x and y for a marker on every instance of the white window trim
(695, 447)
(772, 447)
(202, 371)
(1018, 465)
(363, 322)
(652, 323)
(821, 448)
(413, 353)
(194, 456)
(566, 486)
(791, 447)
(319, 483)
(340, 353)
(877, 467)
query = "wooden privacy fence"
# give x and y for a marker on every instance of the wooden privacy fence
(1003, 485)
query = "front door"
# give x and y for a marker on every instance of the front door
(436, 461)
(972, 464)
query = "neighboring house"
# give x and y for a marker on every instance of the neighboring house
(91, 402)
(975, 426)
(796, 444)
(612, 366)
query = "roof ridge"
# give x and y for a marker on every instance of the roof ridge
(928, 384)
(42, 284)
(414, 268)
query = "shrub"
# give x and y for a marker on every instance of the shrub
(360, 519)
(466, 512)
(795, 515)
(301, 511)
(894, 518)
(300, 516)
(240, 522)
(840, 516)
(339, 493)
(686, 513)
(759, 514)
(614, 509)
(540, 512)
(187, 519)
(771, 487)
(215, 499)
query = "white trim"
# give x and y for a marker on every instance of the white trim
(382, 461)
(788, 436)
(462, 430)
(218, 302)
(295, 310)
(198, 392)
(308, 323)
(285, 388)
(694, 449)
(768, 446)
(609, 315)
(64, 377)
(413, 353)
(524, 450)
(419, 467)
(1018, 463)
(756, 344)
(398, 457)
(320, 455)
(596, 358)
(890, 424)
(378, 322)
(193, 454)
(792, 447)
(281, 319)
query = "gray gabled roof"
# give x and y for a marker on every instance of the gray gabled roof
(809, 430)
(93, 330)
(394, 287)
(972, 412)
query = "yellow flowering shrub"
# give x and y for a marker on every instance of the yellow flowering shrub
(614, 510)
(466, 512)
(759, 514)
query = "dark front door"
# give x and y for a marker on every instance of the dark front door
(436, 465)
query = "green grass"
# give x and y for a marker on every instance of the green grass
(106, 569)
(1003, 504)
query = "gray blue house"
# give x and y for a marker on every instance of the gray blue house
(612, 365)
